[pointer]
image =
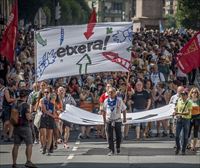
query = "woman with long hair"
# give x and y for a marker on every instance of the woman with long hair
(194, 97)
(47, 120)
(8, 101)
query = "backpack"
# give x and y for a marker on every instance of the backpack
(15, 112)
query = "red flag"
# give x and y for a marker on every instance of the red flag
(91, 24)
(188, 57)
(7, 47)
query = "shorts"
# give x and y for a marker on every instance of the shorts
(47, 122)
(6, 113)
(22, 134)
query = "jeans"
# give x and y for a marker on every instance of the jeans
(118, 133)
(184, 125)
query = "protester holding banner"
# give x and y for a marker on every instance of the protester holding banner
(194, 97)
(66, 99)
(174, 100)
(159, 101)
(141, 101)
(47, 121)
(102, 98)
(113, 106)
(86, 103)
(183, 115)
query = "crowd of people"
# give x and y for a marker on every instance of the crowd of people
(154, 82)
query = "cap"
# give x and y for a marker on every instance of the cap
(185, 91)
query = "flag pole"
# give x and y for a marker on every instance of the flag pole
(129, 74)
(35, 55)
(127, 80)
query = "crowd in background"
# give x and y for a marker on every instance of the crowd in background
(153, 67)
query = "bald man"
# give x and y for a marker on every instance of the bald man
(173, 100)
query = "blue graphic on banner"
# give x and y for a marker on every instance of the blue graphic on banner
(62, 35)
(47, 59)
(123, 35)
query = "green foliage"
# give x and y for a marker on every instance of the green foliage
(188, 14)
(170, 21)
(47, 11)
(72, 11)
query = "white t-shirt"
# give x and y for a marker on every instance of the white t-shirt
(157, 77)
(174, 99)
(114, 113)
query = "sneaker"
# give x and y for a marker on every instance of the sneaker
(87, 137)
(30, 164)
(36, 142)
(126, 138)
(48, 153)
(164, 134)
(177, 151)
(43, 151)
(171, 135)
(111, 153)
(157, 135)
(118, 150)
(182, 152)
(81, 137)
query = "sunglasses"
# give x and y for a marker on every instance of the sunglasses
(183, 94)
(110, 92)
(46, 92)
(194, 92)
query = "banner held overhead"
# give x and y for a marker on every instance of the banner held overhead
(64, 50)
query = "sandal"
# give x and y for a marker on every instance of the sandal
(66, 146)
(59, 141)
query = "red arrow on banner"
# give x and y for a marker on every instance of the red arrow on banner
(114, 57)
(91, 25)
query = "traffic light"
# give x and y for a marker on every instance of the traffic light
(58, 11)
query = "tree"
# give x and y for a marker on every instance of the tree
(170, 21)
(72, 11)
(66, 13)
(48, 13)
(188, 14)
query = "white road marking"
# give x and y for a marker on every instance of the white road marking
(75, 148)
(77, 142)
(71, 156)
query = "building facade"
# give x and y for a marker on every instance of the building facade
(5, 9)
(112, 10)
(148, 14)
(170, 7)
(143, 13)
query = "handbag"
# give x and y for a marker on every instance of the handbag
(37, 119)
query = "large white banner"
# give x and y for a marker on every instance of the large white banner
(79, 116)
(80, 49)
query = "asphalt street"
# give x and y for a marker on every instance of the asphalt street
(92, 153)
